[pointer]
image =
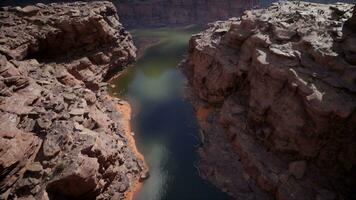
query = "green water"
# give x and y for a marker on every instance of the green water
(163, 121)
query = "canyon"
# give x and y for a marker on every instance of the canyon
(274, 93)
(270, 92)
(138, 14)
(61, 135)
(160, 13)
(172, 13)
(141, 13)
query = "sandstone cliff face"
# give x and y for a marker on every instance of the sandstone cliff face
(61, 136)
(275, 94)
(153, 13)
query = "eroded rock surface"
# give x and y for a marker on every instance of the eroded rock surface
(275, 95)
(157, 13)
(61, 136)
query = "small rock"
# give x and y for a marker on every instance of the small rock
(144, 176)
(123, 187)
(78, 127)
(28, 124)
(35, 167)
(60, 107)
(90, 97)
(69, 96)
(77, 111)
(30, 10)
(44, 123)
(297, 168)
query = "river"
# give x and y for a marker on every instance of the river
(164, 123)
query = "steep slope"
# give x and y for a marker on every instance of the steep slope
(275, 95)
(61, 136)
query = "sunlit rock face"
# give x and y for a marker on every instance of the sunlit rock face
(158, 13)
(61, 136)
(275, 95)
(151, 13)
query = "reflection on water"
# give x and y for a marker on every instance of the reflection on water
(164, 123)
(156, 186)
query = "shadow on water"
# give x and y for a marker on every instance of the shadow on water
(164, 123)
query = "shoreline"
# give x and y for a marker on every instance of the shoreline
(144, 43)
(117, 75)
(124, 108)
(142, 46)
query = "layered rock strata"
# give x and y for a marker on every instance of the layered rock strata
(275, 95)
(61, 136)
(156, 13)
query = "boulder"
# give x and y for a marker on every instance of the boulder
(297, 168)
(76, 180)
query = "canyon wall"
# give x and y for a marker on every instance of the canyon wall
(161, 13)
(61, 135)
(275, 96)
(157, 13)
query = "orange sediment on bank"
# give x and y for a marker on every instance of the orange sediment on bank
(125, 109)
(204, 112)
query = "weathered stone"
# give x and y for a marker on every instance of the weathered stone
(30, 10)
(297, 168)
(50, 145)
(351, 23)
(17, 148)
(159, 13)
(144, 176)
(69, 97)
(279, 85)
(77, 111)
(35, 168)
(89, 96)
(77, 180)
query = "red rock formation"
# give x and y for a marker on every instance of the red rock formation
(275, 96)
(60, 134)
(151, 13)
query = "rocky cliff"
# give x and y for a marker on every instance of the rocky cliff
(275, 96)
(61, 136)
(156, 13)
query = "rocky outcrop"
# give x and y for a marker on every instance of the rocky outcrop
(153, 13)
(61, 136)
(275, 95)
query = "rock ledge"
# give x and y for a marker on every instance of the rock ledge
(61, 136)
(275, 95)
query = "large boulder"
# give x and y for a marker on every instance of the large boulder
(76, 180)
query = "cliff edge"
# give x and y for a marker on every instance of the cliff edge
(275, 96)
(61, 136)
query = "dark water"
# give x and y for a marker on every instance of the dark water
(163, 121)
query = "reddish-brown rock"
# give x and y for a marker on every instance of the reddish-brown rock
(153, 13)
(277, 88)
(61, 136)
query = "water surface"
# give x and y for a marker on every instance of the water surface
(163, 121)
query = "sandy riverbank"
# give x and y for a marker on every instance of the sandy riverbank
(124, 109)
